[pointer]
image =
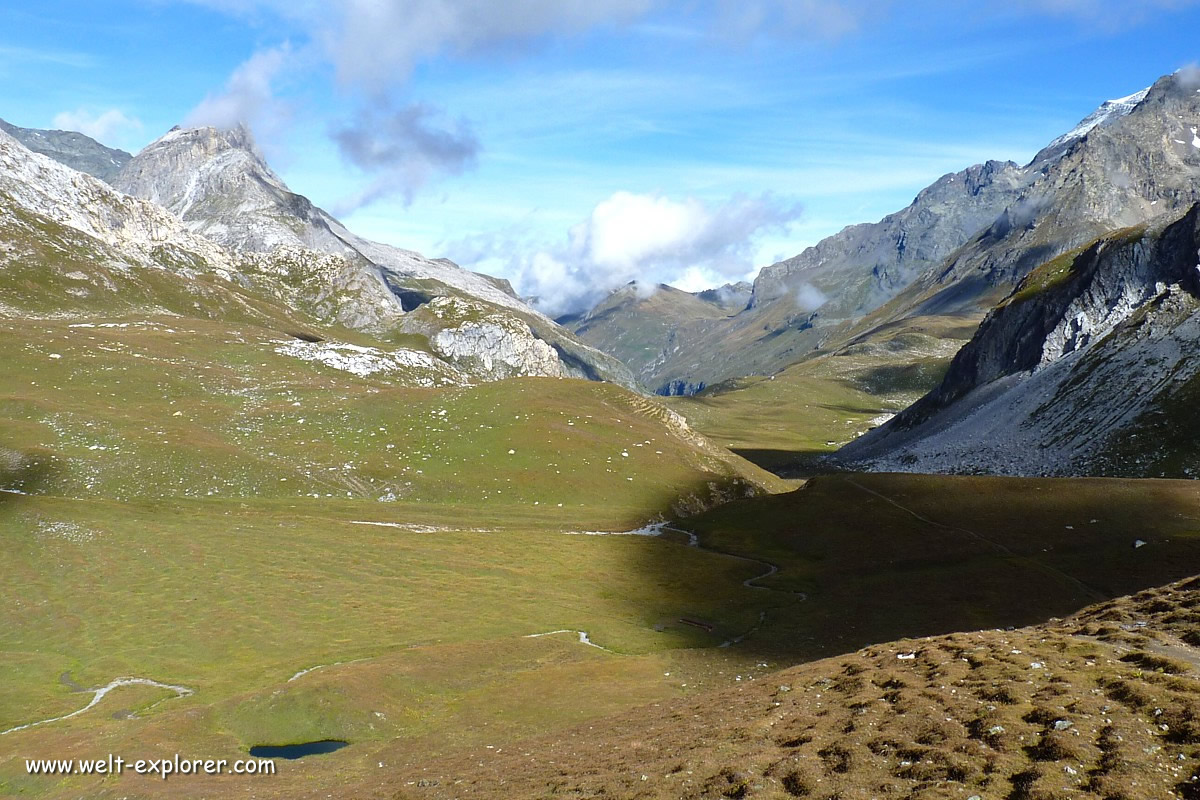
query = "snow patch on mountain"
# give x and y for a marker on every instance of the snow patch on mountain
(1106, 114)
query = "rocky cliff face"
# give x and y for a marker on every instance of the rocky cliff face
(143, 232)
(865, 265)
(219, 185)
(1069, 372)
(73, 149)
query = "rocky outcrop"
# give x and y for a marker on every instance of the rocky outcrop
(491, 345)
(679, 389)
(1088, 349)
(72, 149)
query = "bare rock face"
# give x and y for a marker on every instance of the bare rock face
(494, 346)
(218, 183)
(864, 266)
(145, 234)
(1089, 367)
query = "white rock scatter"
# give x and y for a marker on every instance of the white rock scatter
(412, 366)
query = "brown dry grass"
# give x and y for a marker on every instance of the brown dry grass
(1104, 704)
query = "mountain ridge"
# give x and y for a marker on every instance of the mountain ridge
(1042, 387)
(76, 150)
(963, 242)
(220, 185)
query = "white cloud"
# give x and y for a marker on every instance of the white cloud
(815, 19)
(809, 297)
(1107, 15)
(248, 95)
(105, 127)
(646, 238)
(374, 44)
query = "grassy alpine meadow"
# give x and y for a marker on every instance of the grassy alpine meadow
(886, 556)
(247, 542)
(287, 552)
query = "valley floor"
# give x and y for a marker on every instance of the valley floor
(212, 545)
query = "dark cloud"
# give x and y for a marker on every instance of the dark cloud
(403, 149)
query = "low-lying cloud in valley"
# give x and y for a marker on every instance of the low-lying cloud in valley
(647, 238)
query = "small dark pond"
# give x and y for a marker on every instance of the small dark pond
(297, 750)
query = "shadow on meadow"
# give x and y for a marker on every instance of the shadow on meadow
(23, 474)
(868, 558)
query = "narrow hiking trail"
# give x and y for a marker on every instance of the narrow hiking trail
(583, 638)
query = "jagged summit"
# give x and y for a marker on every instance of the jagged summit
(219, 184)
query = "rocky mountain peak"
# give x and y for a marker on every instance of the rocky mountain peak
(208, 141)
(1109, 112)
(218, 182)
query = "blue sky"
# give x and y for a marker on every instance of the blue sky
(571, 146)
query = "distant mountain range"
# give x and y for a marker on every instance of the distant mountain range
(1083, 261)
(644, 325)
(963, 243)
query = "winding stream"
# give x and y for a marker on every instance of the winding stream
(583, 638)
(660, 528)
(98, 695)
